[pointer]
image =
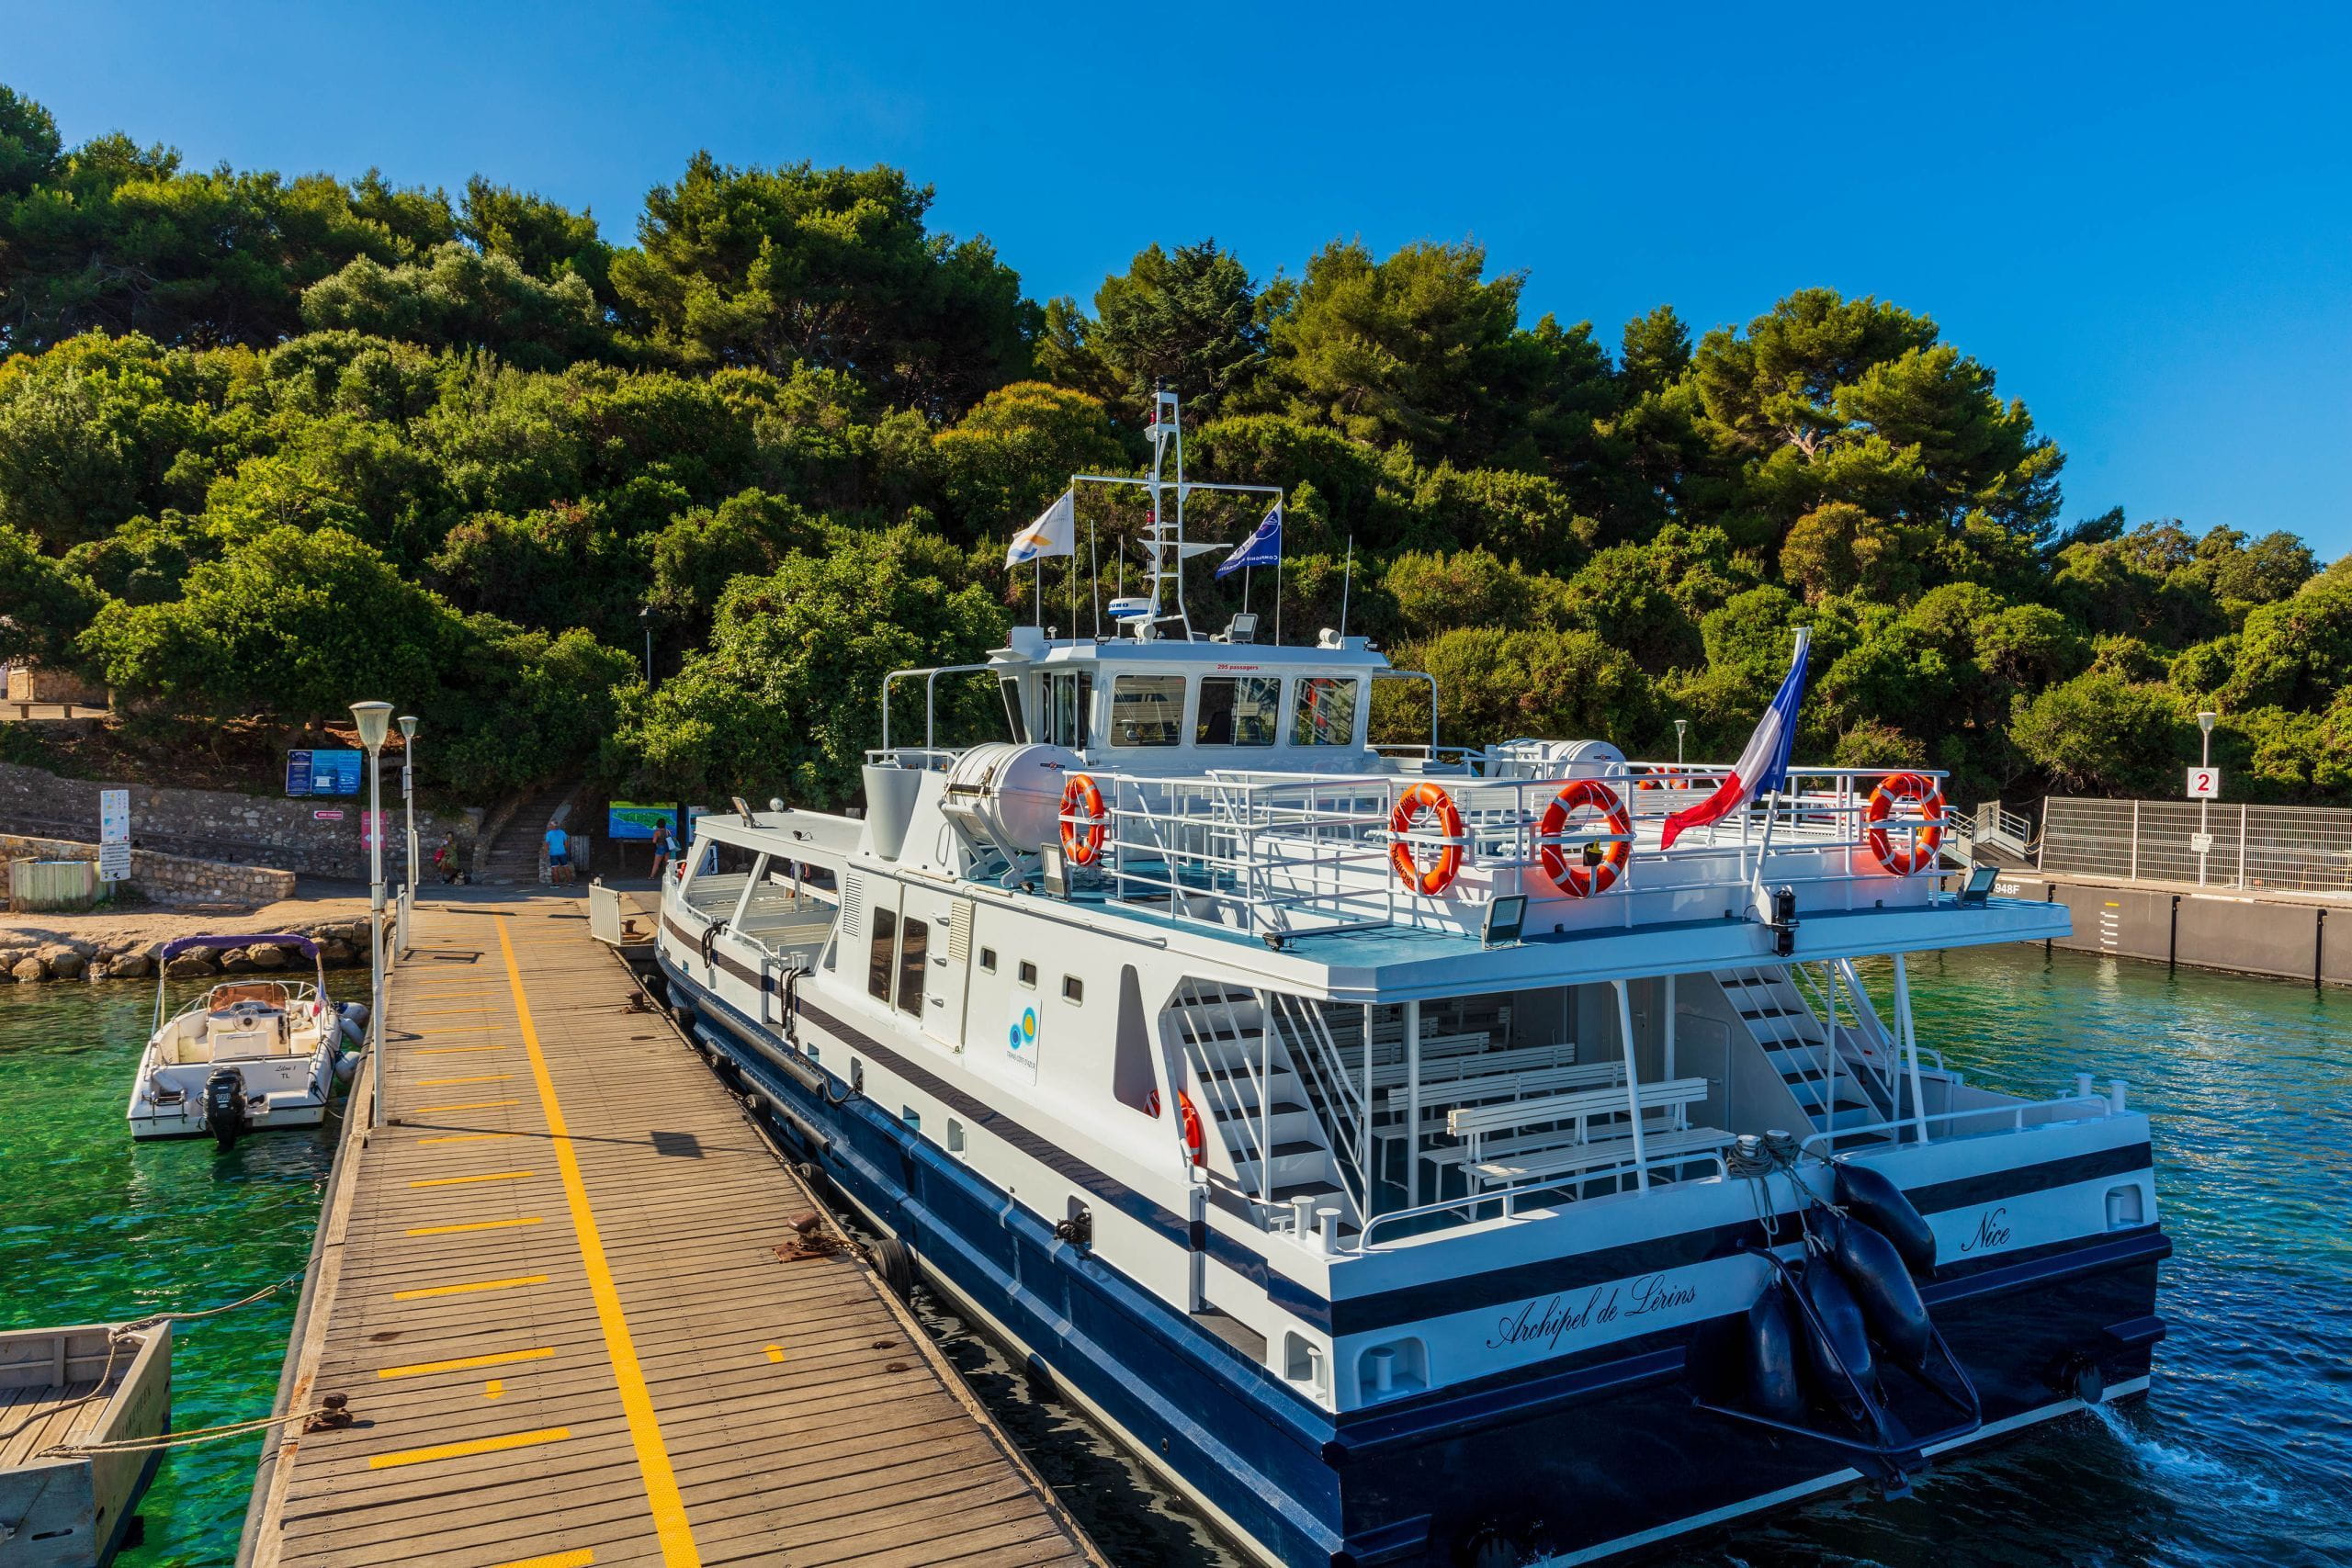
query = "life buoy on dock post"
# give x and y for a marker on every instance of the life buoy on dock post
(1426, 797)
(1584, 876)
(1926, 841)
(1083, 819)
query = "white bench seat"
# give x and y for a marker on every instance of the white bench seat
(1659, 1147)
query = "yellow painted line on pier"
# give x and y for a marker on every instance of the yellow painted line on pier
(466, 1450)
(494, 1389)
(471, 1105)
(476, 1226)
(457, 1012)
(465, 1363)
(582, 1557)
(464, 1138)
(478, 1078)
(456, 1050)
(775, 1352)
(424, 1291)
(469, 1181)
(670, 1525)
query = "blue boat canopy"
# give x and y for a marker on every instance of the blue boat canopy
(180, 944)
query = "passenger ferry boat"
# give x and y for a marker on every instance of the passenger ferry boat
(1404, 1153)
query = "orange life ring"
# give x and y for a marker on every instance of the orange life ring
(1581, 878)
(1194, 1141)
(1082, 819)
(1926, 841)
(1410, 805)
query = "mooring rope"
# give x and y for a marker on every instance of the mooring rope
(128, 1333)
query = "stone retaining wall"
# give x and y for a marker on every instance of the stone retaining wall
(341, 944)
(167, 879)
(221, 825)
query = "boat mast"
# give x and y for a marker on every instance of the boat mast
(1166, 428)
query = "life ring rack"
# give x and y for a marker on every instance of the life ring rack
(1431, 799)
(1926, 837)
(1584, 876)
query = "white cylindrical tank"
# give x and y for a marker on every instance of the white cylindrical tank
(1011, 794)
(1560, 760)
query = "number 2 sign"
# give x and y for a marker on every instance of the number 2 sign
(2204, 783)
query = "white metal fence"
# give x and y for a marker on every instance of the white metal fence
(2302, 847)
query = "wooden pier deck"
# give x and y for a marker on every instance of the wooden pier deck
(561, 1291)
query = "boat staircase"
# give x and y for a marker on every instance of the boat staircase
(1267, 1097)
(1817, 1026)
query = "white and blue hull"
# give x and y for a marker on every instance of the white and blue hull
(1583, 1443)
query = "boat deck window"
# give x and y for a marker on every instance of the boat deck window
(1238, 710)
(1147, 710)
(1069, 698)
(1325, 711)
(877, 967)
(914, 951)
(988, 960)
(1028, 973)
(1073, 988)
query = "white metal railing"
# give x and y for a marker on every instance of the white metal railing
(2011, 1118)
(1333, 1092)
(1280, 853)
(1505, 1202)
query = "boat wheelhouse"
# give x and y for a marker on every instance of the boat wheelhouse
(1400, 1148)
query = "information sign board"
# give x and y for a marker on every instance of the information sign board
(325, 771)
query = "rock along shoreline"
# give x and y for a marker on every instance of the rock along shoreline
(343, 944)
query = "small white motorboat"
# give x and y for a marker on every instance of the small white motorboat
(251, 1053)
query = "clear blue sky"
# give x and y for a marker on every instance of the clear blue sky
(2141, 215)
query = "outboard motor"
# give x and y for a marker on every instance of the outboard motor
(224, 1106)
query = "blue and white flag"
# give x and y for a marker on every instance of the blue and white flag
(1763, 767)
(1263, 547)
(1054, 534)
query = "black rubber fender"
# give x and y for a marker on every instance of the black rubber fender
(895, 1262)
(1880, 1204)
(1882, 1284)
(1771, 1342)
(1840, 1338)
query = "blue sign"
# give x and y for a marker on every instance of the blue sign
(323, 773)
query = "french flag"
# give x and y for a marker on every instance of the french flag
(1764, 766)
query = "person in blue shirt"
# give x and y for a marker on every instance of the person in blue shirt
(559, 854)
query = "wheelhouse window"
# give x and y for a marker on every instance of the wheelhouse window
(1147, 710)
(878, 966)
(914, 945)
(1069, 696)
(1238, 710)
(1325, 712)
(1016, 716)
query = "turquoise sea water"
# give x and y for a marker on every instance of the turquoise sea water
(2241, 1459)
(94, 1228)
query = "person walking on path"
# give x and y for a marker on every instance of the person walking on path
(660, 851)
(445, 860)
(559, 854)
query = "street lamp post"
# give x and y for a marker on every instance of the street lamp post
(2204, 804)
(375, 722)
(407, 722)
(1680, 725)
(645, 618)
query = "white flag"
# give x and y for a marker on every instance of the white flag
(1054, 534)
